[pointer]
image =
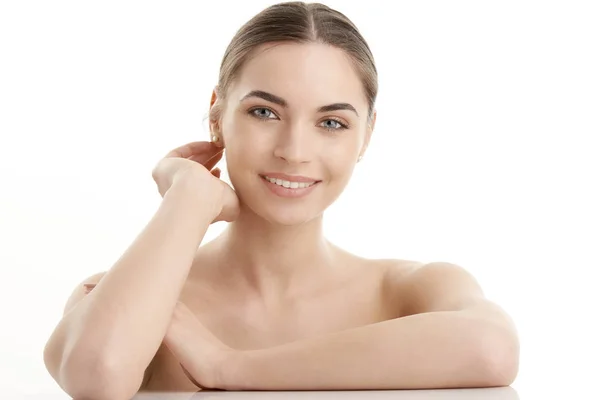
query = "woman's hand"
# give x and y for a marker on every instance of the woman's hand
(192, 165)
(203, 357)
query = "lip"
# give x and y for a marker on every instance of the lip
(281, 191)
(291, 178)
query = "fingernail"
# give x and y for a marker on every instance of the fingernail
(89, 286)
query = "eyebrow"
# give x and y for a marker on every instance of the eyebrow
(280, 101)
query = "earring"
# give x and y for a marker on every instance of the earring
(215, 138)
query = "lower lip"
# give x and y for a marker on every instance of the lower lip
(288, 192)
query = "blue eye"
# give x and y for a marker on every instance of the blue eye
(265, 116)
(260, 116)
(341, 126)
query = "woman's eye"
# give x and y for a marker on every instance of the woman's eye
(263, 115)
(333, 125)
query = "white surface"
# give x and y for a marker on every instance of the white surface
(504, 393)
(485, 154)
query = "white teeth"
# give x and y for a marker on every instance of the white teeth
(288, 184)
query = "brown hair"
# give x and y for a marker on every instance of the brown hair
(298, 22)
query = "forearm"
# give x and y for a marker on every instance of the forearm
(123, 321)
(432, 350)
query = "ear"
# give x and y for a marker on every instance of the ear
(369, 132)
(214, 124)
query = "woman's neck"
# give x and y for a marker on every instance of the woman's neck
(274, 260)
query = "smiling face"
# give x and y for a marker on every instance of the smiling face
(298, 110)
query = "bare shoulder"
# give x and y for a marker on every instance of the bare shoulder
(389, 270)
(442, 286)
(432, 286)
(80, 291)
(398, 270)
(386, 266)
(405, 272)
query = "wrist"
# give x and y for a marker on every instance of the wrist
(188, 189)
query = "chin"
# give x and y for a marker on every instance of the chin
(286, 215)
(290, 219)
(281, 211)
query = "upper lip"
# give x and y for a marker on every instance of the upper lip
(291, 178)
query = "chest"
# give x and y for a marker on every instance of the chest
(250, 326)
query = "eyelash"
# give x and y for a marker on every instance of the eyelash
(251, 113)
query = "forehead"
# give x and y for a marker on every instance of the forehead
(302, 74)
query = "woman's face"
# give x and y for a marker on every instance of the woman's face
(277, 121)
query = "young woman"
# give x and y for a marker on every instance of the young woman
(271, 304)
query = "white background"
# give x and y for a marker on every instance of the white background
(485, 154)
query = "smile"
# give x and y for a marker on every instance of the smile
(290, 189)
(289, 184)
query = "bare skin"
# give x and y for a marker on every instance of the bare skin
(351, 292)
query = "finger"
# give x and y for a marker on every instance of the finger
(190, 149)
(88, 287)
(209, 160)
(191, 378)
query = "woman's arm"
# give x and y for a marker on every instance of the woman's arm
(445, 349)
(104, 343)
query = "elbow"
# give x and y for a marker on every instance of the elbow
(96, 378)
(500, 354)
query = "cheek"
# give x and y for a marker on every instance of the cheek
(242, 136)
(243, 156)
(341, 159)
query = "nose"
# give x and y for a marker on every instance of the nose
(294, 144)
